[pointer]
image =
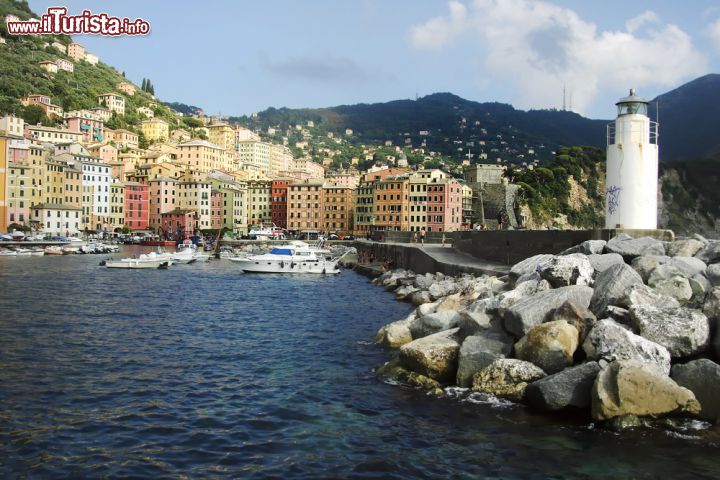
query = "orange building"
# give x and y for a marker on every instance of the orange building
(392, 203)
(338, 208)
(305, 205)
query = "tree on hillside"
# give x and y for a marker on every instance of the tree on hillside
(32, 114)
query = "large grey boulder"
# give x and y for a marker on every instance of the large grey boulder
(565, 270)
(602, 262)
(643, 295)
(588, 247)
(434, 322)
(631, 387)
(682, 331)
(506, 378)
(434, 356)
(676, 287)
(423, 282)
(571, 388)
(420, 297)
(550, 346)
(662, 273)
(443, 288)
(528, 266)
(710, 253)
(479, 351)
(688, 266)
(634, 247)
(611, 285)
(475, 318)
(713, 274)
(426, 308)
(610, 341)
(645, 264)
(686, 247)
(404, 291)
(531, 311)
(702, 377)
(522, 290)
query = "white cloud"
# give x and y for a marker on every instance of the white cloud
(647, 17)
(539, 46)
(714, 32)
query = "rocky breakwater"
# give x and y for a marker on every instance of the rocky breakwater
(623, 331)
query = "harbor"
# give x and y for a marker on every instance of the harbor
(213, 375)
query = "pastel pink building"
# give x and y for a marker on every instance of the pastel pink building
(108, 153)
(216, 209)
(162, 200)
(180, 222)
(91, 128)
(444, 205)
(137, 206)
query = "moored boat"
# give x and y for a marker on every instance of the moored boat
(291, 258)
(54, 250)
(136, 263)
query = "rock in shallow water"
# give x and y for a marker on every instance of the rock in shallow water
(702, 377)
(396, 334)
(631, 387)
(506, 378)
(479, 351)
(434, 356)
(571, 388)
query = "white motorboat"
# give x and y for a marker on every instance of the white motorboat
(23, 251)
(37, 252)
(187, 252)
(54, 250)
(267, 233)
(7, 253)
(136, 263)
(291, 258)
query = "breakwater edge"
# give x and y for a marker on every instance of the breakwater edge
(621, 333)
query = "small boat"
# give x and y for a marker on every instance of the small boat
(23, 251)
(296, 257)
(54, 250)
(136, 263)
(7, 253)
(187, 252)
(37, 252)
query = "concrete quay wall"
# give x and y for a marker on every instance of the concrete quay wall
(511, 246)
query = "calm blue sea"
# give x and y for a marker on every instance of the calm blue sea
(200, 371)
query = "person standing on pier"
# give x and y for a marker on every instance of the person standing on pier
(422, 237)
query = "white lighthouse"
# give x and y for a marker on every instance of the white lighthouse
(632, 167)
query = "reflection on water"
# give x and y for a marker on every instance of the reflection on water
(202, 371)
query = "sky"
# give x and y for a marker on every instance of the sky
(235, 57)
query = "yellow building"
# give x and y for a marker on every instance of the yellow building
(116, 216)
(155, 129)
(258, 202)
(204, 156)
(222, 135)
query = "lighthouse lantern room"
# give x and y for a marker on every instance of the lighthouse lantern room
(632, 167)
